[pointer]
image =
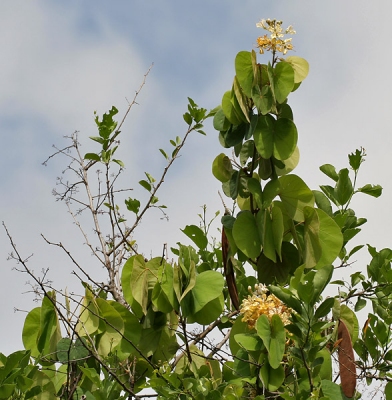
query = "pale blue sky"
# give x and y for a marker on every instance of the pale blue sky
(62, 61)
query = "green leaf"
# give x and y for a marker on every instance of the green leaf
(282, 77)
(264, 223)
(107, 125)
(188, 118)
(49, 327)
(287, 297)
(354, 250)
(143, 278)
(89, 314)
(312, 243)
(276, 378)
(220, 122)
(119, 162)
(31, 330)
(264, 135)
(332, 390)
(92, 156)
(164, 154)
(208, 287)
(98, 139)
(247, 151)
(6, 390)
(285, 111)
(71, 351)
(132, 332)
(133, 205)
(285, 138)
(263, 98)
(222, 168)
(186, 298)
(249, 341)
(300, 66)
(344, 188)
(149, 177)
(361, 303)
(240, 101)
(279, 271)
(271, 190)
(234, 135)
(324, 308)
(238, 326)
(295, 195)
(322, 202)
(356, 159)
(274, 338)
(320, 281)
(245, 234)
(114, 327)
(289, 163)
(326, 366)
(372, 190)
(388, 391)
(254, 187)
(329, 192)
(163, 295)
(330, 237)
(145, 184)
(229, 110)
(277, 229)
(330, 171)
(196, 235)
(209, 313)
(244, 70)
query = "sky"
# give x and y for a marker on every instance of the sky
(61, 61)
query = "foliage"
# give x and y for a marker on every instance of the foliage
(165, 325)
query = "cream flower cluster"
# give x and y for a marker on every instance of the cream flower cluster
(275, 41)
(259, 303)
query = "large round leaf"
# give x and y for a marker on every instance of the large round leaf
(208, 286)
(229, 110)
(285, 138)
(264, 223)
(238, 326)
(312, 243)
(295, 195)
(220, 122)
(132, 332)
(330, 237)
(114, 327)
(89, 315)
(264, 135)
(31, 330)
(262, 98)
(244, 71)
(289, 163)
(283, 80)
(300, 66)
(222, 168)
(209, 313)
(274, 338)
(246, 235)
(269, 271)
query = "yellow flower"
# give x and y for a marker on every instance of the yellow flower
(275, 41)
(259, 303)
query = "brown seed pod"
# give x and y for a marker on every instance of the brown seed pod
(348, 376)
